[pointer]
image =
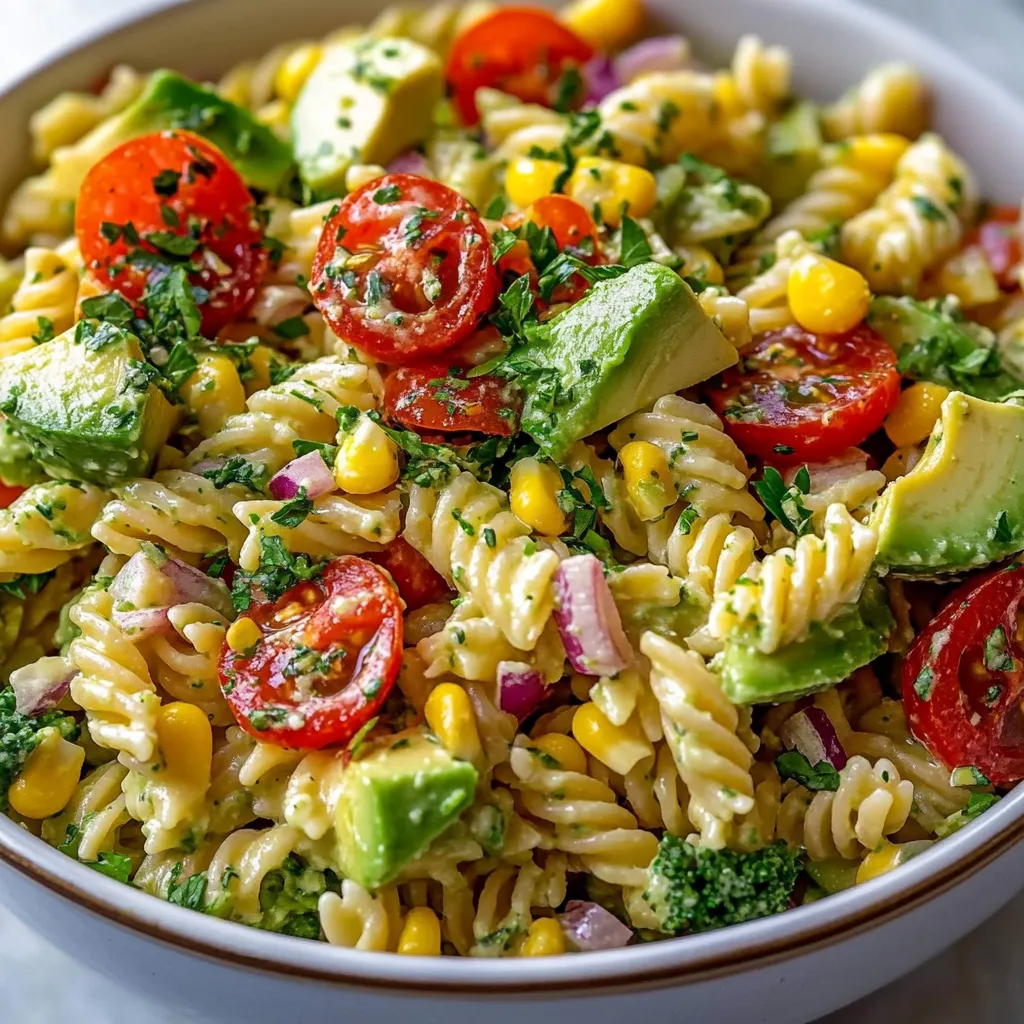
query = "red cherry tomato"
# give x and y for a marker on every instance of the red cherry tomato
(1000, 236)
(524, 51)
(963, 680)
(330, 654)
(403, 269)
(570, 224)
(8, 493)
(438, 397)
(417, 580)
(800, 397)
(172, 194)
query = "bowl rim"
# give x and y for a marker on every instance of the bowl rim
(670, 962)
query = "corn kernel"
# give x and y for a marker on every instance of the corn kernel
(826, 296)
(648, 478)
(295, 69)
(533, 491)
(360, 174)
(878, 153)
(901, 462)
(728, 98)
(243, 634)
(915, 414)
(527, 180)
(614, 187)
(564, 749)
(617, 746)
(186, 742)
(878, 862)
(421, 933)
(450, 714)
(214, 392)
(48, 779)
(968, 275)
(546, 938)
(367, 459)
(605, 24)
(260, 361)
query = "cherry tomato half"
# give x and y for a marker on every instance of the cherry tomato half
(570, 223)
(525, 51)
(172, 195)
(1000, 237)
(800, 397)
(9, 493)
(403, 269)
(963, 680)
(439, 397)
(330, 653)
(417, 580)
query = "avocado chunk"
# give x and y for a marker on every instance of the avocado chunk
(365, 102)
(395, 802)
(626, 343)
(87, 405)
(793, 153)
(18, 467)
(933, 342)
(962, 505)
(831, 651)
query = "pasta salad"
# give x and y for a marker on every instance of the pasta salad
(486, 484)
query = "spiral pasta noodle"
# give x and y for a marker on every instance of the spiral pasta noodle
(761, 73)
(95, 815)
(891, 98)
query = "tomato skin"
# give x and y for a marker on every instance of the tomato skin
(353, 608)
(438, 397)
(417, 580)
(376, 235)
(849, 383)
(519, 50)
(120, 189)
(956, 710)
(1000, 236)
(9, 493)
(570, 223)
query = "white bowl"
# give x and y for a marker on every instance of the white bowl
(789, 968)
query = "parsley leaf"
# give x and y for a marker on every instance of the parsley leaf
(239, 470)
(502, 242)
(293, 512)
(634, 248)
(822, 776)
(786, 503)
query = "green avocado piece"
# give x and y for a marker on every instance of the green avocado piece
(626, 343)
(18, 467)
(962, 506)
(170, 101)
(933, 342)
(833, 875)
(793, 153)
(395, 802)
(365, 102)
(831, 651)
(86, 403)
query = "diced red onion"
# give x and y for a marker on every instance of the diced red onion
(410, 162)
(661, 53)
(193, 584)
(812, 733)
(588, 619)
(588, 926)
(600, 78)
(141, 584)
(520, 688)
(209, 465)
(278, 302)
(308, 471)
(140, 623)
(826, 474)
(41, 686)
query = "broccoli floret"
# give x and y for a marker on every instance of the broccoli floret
(693, 890)
(20, 735)
(289, 897)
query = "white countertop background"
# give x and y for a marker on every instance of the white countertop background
(981, 980)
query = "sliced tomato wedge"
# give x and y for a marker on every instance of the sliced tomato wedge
(403, 269)
(172, 198)
(329, 655)
(9, 493)
(524, 51)
(1001, 237)
(963, 679)
(436, 397)
(801, 397)
(570, 223)
(417, 580)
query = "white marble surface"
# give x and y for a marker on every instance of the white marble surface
(981, 980)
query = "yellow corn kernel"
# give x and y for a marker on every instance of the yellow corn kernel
(614, 187)
(968, 275)
(527, 180)
(605, 24)
(421, 933)
(533, 489)
(546, 938)
(564, 749)
(700, 262)
(450, 714)
(617, 746)
(878, 862)
(243, 634)
(214, 392)
(186, 743)
(359, 174)
(260, 361)
(826, 296)
(878, 153)
(367, 459)
(901, 462)
(728, 98)
(648, 478)
(47, 780)
(295, 69)
(915, 414)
